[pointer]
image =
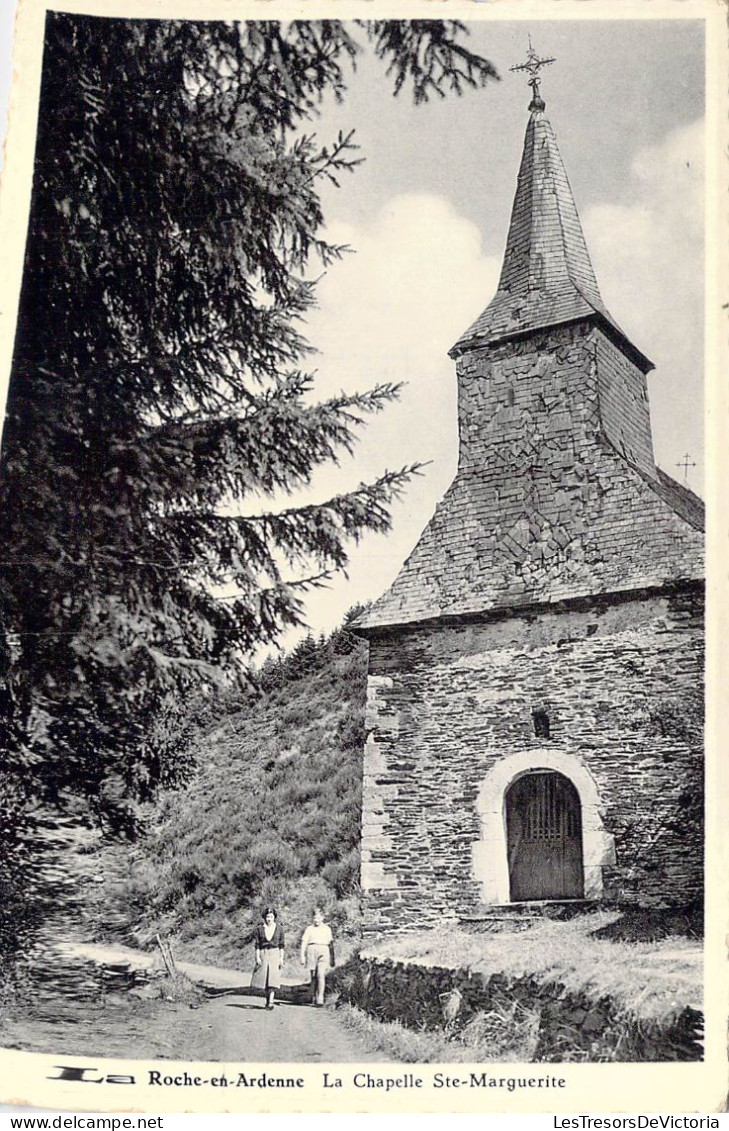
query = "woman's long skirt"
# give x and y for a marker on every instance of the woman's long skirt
(268, 975)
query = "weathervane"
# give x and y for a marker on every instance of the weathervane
(533, 65)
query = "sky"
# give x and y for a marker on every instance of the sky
(427, 216)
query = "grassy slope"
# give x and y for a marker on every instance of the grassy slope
(271, 816)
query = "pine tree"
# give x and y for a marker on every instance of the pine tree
(159, 401)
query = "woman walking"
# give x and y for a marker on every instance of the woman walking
(269, 942)
(317, 952)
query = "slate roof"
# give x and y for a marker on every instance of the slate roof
(547, 277)
(626, 534)
(680, 499)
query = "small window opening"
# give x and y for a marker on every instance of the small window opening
(510, 398)
(541, 724)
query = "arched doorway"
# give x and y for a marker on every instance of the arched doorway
(544, 837)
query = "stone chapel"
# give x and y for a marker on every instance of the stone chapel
(536, 668)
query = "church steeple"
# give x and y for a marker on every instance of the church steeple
(557, 496)
(547, 277)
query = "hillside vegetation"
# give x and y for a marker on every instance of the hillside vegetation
(272, 815)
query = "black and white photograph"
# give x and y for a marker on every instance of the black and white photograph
(353, 479)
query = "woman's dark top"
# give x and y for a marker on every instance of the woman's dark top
(276, 942)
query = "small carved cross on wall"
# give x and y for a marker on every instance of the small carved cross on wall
(685, 463)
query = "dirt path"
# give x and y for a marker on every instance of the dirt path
(240, 1029)
(230, 1027)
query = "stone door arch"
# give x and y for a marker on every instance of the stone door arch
(490, 864)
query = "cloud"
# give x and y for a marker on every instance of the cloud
(392, 310)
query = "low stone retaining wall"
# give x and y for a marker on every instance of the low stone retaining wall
(568, 1026)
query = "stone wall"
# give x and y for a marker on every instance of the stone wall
(620, 681)
(568, 1026)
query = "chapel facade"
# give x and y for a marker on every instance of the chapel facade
(536, 668)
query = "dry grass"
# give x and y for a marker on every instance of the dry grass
(499, 1035)
(651, 981)
(507, 1031)
(177, 988)
(398, 1043)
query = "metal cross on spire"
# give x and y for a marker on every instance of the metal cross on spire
(685, 463)
(533, 65)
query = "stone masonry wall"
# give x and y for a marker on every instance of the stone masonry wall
(568, 1025)
(621, 684)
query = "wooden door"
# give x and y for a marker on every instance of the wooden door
(544, 837)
